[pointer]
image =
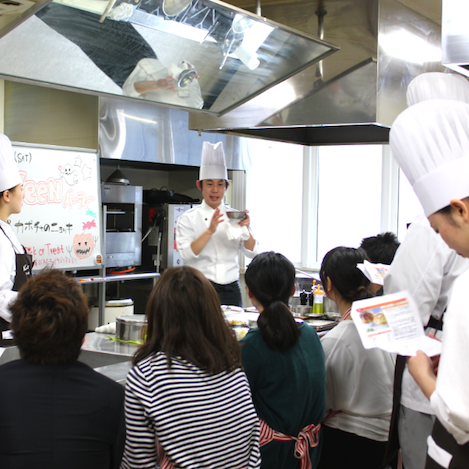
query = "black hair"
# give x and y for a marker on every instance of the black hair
(447, 211)
(227, 183)
(271, 279)
(9, 190)
(381, 248)
(340, 265)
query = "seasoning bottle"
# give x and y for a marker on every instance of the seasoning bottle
(303, 298)
(318, 305)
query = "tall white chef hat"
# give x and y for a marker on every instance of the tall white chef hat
(430, 141)
(9, 175)
(213, 164)
(438, 85)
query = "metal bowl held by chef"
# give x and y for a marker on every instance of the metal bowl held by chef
(131, 327)
(235, 214)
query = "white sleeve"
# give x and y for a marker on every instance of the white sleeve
(7, 266)
(145, 70)
(185, 234)
(450, 401)
(426, 267)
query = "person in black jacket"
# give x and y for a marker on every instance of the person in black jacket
(56, 412)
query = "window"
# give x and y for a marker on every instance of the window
(409, 205)
(305, 201)
(274, 195)
(349, 206)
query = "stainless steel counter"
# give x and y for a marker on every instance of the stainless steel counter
(104, 355)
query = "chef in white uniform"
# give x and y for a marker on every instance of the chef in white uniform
(430, 141)
(15, 263)
(206, 239)
(425, 266)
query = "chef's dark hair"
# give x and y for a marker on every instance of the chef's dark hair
(270, 278)
(381, 248)
(50, 318)
(340, 265)
(185, 319)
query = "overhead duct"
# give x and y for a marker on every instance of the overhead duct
(455, 35)
(360, 89)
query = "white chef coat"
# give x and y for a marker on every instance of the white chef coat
(426, 267)
(9, 247)
(450, 401)
(359, 382)
(153, 70)
(218, 260)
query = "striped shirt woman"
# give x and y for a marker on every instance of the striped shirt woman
(200, 420)
(188, 403)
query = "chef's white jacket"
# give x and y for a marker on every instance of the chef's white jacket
(450, 401)
(9, 247)
(426, 267)
(218, 260)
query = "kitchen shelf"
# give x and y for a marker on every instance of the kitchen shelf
(117, 278)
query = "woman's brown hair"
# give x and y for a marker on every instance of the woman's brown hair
(50, 318)
(185, 319)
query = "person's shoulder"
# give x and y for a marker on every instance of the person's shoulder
(98, 378)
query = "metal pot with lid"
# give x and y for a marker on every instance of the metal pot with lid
(131, 327)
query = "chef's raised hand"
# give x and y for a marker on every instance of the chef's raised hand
(216, 220)
(246, 221)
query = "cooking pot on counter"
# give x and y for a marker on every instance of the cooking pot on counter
(131, 327)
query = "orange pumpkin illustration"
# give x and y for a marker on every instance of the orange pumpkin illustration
(83, 245)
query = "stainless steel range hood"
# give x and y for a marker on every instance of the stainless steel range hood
(355, 94)
(189, 54)
(455, 35)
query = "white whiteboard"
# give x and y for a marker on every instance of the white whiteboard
(60, 221)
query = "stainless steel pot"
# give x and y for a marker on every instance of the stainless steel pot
(131, 327)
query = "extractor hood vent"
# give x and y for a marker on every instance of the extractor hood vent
(455, 35)
(359, 90)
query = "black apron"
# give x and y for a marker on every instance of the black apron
(24, 270)
(445, 440)
(393, 437)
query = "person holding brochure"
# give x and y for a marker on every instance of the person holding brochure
(358, 381)
(430, 141)
(426, 267)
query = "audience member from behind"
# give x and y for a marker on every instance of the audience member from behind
(56, 412)
(358, 381)
(284, 362)
(381, 248)
(188, 402)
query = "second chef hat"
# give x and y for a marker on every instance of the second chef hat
(430, 141)
(213, 165)
(9, 175)
(438, 85)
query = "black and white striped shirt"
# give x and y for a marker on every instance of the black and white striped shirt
(200, 420)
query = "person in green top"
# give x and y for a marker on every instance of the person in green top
(284, 363)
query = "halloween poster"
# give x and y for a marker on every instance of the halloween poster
(60, 220)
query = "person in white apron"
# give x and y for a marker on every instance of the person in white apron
(15, 263)
(430, 141)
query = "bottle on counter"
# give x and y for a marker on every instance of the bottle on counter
(318, 302)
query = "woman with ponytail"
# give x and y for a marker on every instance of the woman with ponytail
(284, 363)
(359, 382)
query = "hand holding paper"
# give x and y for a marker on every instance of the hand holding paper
(392, 323)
